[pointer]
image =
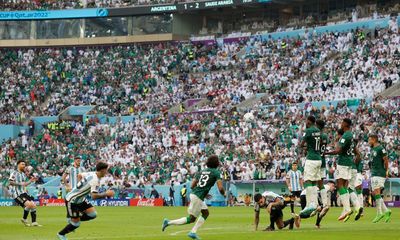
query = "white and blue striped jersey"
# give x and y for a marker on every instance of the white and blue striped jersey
(17, 177)
(73, 174)
(294, 178)
(270, 197)
(88, 184)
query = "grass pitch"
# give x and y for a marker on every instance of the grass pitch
(121, 223)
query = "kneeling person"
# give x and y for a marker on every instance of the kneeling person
(274, 204)
(78, 207)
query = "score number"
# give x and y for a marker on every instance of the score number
(190, 6)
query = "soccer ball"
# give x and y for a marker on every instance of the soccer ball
(248, 117)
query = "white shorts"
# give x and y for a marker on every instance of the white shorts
(356, 179)
(343, 172)
(196, 205)
(377, 182)
(312, 170)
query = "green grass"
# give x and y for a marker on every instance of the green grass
(121, 223)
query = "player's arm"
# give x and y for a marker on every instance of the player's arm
(301, 182)
(194, 183)
(386, 164)
(337, 150)
(221, 187)
(276, 203)
(96, 195)
(358, 155)
(288, 182)
(256, 219)
(14, 183)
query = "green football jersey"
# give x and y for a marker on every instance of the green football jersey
(347, 145)
(324, 143)
(312, 136)
(378, 167)
(206, 180)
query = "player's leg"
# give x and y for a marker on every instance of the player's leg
(21, 200)
(32, 209)
(377, 196)
(88, 211)
(292, 200)
(311, 175)
(194, 210)
(73, 222)
(359, 196)
(89, 214)
(343, 174)
(200, 221)
(282, 224)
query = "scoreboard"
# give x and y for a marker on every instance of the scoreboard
(179, 7)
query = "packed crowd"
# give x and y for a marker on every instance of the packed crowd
(9, 5)
(150, 79)
(173, 148)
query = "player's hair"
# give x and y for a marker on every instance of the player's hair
(294, 163)
(77, 157)
(320, 123)
(212, 161)
(101, 165)
(20, 161)
(257, 197)
(374, 136)
(340, 131)
(311, 119)
(348, 121)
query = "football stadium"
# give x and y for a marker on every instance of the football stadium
(199, 119)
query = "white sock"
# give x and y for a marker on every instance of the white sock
(199, 223)
(315, 196)
(354, 200)
(361, 199)
(180, 221)
(383, 206)
(324, 197)
(378, 206)
(345, 199)
(309, 191)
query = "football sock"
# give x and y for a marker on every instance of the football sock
(318, 222)
(198, 224)
(26, 213)
(272, 223)
(383, 206)
(345, 199)
(360, 197)
(287, 222)
(378, 204)
(309, 192)
(292, 206)
(180, 221)
(314, 195)
(33, 215)
(355, 201)
(324, 197)
(69, 228)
